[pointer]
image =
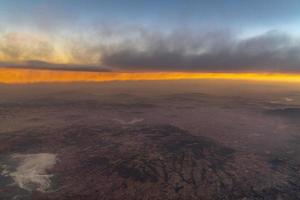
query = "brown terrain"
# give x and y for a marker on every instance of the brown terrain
(205, 140)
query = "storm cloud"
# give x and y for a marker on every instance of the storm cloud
(210, 51)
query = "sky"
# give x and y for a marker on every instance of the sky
(142, 36)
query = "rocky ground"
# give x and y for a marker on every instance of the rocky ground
(91, 142)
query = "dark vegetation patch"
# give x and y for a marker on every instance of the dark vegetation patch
(137, 169)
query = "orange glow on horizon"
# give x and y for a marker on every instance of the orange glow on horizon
(23, 76)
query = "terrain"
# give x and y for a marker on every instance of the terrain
(150, 140)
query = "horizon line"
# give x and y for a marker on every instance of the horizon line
(24, 76)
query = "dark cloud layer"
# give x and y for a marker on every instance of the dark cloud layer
(213, 51)
(35, 64)
(139, 49)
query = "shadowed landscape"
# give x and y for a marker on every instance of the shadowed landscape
(148, 140)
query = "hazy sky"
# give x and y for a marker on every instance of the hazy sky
(131, 35)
